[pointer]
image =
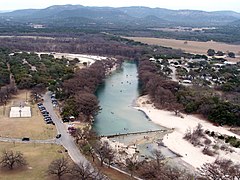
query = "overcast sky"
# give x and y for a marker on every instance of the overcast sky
(207, 5)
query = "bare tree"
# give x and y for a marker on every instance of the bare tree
(152, 171)
(132, 164)
(105, 152)
(12, 159)
(59, 167)
(85, 172)
(220, 169)
(158, 156)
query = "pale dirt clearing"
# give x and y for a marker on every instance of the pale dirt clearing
(30, 37)
(191, 46)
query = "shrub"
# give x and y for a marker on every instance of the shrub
(208, 151)
(212, 134)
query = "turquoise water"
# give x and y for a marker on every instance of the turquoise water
(116, 98)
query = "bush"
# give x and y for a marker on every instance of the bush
(212, 134)
(207, 141)
(208, 151)
(221, 137)
(233, 141)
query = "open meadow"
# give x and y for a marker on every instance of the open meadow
(191, 46)
(38, 157)
(33, 127)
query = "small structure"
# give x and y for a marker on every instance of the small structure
(186, 81)
(20, 112)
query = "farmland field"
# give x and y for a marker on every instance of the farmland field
(191, 46)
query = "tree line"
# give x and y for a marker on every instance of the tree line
(78, 92)
(166, 94)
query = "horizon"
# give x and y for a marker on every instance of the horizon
(230, 5)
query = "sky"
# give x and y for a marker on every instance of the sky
(206, 5)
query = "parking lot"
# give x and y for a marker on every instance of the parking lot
(47, 118)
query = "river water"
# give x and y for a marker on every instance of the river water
(116, 98)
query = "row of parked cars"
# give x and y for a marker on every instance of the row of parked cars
(45, 114)
(54, 100)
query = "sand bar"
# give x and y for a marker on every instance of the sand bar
(175, 142)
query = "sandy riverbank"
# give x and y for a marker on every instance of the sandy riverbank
(175, 142)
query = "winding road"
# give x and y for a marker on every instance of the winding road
(66, 140)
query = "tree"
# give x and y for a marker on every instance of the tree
(176, 107)
(158, 156)
(59, 167)
(12, 159)
(231, 55)
(151, 171)
(220, 53)
(132, 164)
(87, 104)
(82, 133)
(104, 151)
(211, 52)
(220, 169)
(84, 171)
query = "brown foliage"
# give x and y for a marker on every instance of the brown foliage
(161, 91)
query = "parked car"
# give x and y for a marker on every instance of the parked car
(25, 139)
(45, 112)
(40, 104)
(58, 136)
(65, 120)
(47, 118)
(49, 122)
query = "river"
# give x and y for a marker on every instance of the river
(116, 97)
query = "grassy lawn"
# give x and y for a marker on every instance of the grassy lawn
(33, 127)
(38, 156)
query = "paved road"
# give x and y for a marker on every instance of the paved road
(66, 140)
(48, 141)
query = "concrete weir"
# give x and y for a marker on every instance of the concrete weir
(133, 133)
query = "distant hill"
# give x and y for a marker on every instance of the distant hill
(131, 16)
(184, 16)
(235, 24)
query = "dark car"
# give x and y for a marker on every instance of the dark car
(40, 106)
(25, 139)
(49, 122)
(65, 120)
(47, 118)
(58, 136)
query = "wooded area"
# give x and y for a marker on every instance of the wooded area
(170, 95)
